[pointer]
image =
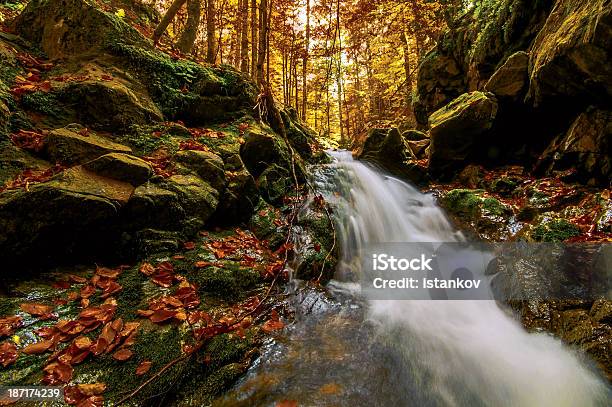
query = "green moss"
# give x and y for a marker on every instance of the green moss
(230, 282)
(555, 231)
(132, 294)
(42, 102)
(144, 141)
(225, 349)
(493, 207)
(463, 202)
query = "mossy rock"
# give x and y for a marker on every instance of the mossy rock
(122, 167)
(463, 202)
(263, 149)
(275, 183)
(555, 231)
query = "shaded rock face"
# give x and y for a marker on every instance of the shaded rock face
(458, 132)
(586, 148)
(511, 80)
(569, 56)
(121, 167)
(74, 145)
(64, 28)
(260, 150)
(206, 165)
(390, 150)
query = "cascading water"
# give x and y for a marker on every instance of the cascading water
(407, 353)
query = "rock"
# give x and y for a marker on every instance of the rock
(240, 197)
(511, 80)
(261, 150)
(485, 216)
(414, 135)
(371, 144)
(14, 160)
(63, 28)
(111, 104)
(154, 207)
(601, 311)
(568, 55)
(74, 145)
(206, 165)
(418, 148)
(65, 218)
(121, 167)
(585, 148)
(440, 79)
(264, 225)
(274, 183)
(394, 148)
(317, 254)
(198, 199)
(553, 230)
(458, 130)
(471, 177)
(300, 137)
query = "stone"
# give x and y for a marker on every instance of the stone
(585, 148)
(206, 165)
(122, 167)
(457, 131)
(511, 80)
(418, 148)
(372, 142)
(260, 150)
(414, 135)
(568, 57)
(274, 183)
(64, 28)
(154, 207)
(394, 148)
(73, 145)
(198, 199)
(241, 195)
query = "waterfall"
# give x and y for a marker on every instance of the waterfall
(463, 353)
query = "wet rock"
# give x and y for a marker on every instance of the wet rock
(74, 145)
(266, 225)
(471, 177)
(601, 311)
(196, 197)
(372, 143)
(317, 255)
(122, 167)
(483, 215)
(566, 57)
(553, 230)
(206, 165)
(585, 148)
(300, 137)
(511, 80)
(458, 131)
(63, 28)
(275, 183)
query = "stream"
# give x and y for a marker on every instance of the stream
(344, 349)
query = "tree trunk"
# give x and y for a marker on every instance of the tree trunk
(343, 142)
(165, 21)
(254, 39)
(244, 40)
(211, 29)
(305, 63)
(408, 73)
(188, 36)
(263, 37)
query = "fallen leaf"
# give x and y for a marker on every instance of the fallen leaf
(36, 309)
(287, 403)
(93, 389)
(38, 347)
(122, 354)
(162, 315)
(143, 367)
(8, 325)
(8, 353)
(147, 269)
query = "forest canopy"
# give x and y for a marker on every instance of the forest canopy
(344, 66)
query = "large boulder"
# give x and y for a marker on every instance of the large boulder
(75, 145)
(62, 219)
(73, 28)
(585, 148)
(261, 150)
(569, 56)
(241, 195)
(152, 206)
(458, 131)
(511, 80)
(206, 165)
(122, 167)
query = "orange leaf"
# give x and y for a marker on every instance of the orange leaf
(38, 347)
(8, 353)
(35, 309)
(147, 269)
(143, 368)
(93, 389)
(287, 403)
(122, 354)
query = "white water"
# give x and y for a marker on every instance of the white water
(460, 353)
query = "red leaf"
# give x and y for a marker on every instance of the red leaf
(8, 353)
(36, 309)
(122, 354)
(143, 367)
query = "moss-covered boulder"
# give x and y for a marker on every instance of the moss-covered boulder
(76, 145)
(206, 165)
(567, 57)
(317, 252)
(64, 28)
(479, 213)
(585, 148)
(372, 143)
(553, 230)
(511, 80)
(414, 135)
(241, 195)
(152, 206)
(458, 131)
(261, 150)
(64, 218)
(122, 167)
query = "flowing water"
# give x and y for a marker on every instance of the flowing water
(346, 350)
